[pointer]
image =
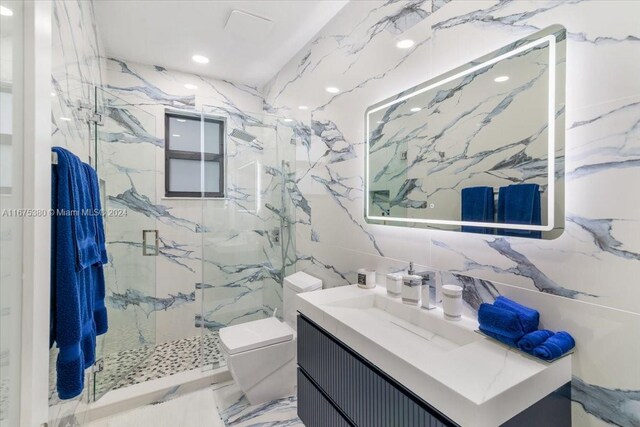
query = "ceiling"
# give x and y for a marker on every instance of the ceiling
(168, 33)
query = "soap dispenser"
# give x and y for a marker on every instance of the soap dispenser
(411, 289)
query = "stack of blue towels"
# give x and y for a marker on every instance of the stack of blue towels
(517, 326)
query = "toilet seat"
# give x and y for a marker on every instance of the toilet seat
(253, 335)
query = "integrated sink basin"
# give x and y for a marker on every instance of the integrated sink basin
(468, 378)
(401, 326)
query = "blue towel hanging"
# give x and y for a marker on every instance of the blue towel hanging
(77, 277)
(477, 206)
(519, 204)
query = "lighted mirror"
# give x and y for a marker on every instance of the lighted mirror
(478, 149)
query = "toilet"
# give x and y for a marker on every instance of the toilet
(261, 355)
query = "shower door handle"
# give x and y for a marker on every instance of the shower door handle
(154, 248)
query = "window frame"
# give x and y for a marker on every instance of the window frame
(194, 155)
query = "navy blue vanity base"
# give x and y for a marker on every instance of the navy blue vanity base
(338, 387)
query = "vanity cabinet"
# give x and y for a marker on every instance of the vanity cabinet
(338, 387)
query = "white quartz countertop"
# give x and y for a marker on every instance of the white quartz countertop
(471, 379)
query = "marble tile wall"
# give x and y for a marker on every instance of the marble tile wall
(77, 68)
(583, 281)
(218, 261)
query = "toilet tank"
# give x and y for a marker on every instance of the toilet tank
(294, 284)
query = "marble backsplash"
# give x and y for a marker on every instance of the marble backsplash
(584, 281)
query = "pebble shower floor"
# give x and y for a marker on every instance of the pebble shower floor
(165, 359)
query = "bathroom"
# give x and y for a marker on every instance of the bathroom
(295, 167)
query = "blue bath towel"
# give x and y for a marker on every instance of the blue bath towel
(529, 317)
(519, 204)
(533, 339)
(501, 324)
(75, 293)
(99, 310)
(477, 206)
(555, 346)
(94, 193)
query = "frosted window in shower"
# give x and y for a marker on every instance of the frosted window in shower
(185, 176)
(183, 134)
(194, 156)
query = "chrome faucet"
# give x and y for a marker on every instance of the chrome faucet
(428, 280)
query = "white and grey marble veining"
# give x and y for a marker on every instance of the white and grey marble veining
(148, 89)
(594, 261)
(613, 406)
(236, 411)
(342, 192)
(149, 304)
(522, 267)
(131, 199)
(601, 231)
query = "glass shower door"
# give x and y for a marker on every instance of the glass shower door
(246, 236)
(125, 153)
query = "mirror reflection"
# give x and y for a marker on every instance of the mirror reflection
(479, 149)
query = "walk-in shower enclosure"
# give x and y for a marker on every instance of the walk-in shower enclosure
(183, 266)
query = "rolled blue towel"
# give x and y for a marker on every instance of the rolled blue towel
(533, 339)
(501, 324)
(555, 346)
(529, 317)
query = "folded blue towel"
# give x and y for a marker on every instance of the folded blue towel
(478, 206)
(533, 339)
(529, 317)
(519, 204)
(555, 346)
(501, 324)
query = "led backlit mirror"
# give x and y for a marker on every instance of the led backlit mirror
(479, 149)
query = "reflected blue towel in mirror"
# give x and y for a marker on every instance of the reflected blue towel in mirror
(477, 206)
(555, 346)
(533, 339)
(519, 204)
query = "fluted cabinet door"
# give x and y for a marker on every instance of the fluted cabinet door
(363, 395)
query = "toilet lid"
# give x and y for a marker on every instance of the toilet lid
(255, 334)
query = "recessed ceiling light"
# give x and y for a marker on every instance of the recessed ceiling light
(303, 107)
(416, 109)
(175, 135)
(405, 44)
(181, 120)
(288, 120)
(501, 79)
(53, 94)
(190, 86)
(200, 59)
(5, 11)
(332, 89)
(65, 119)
